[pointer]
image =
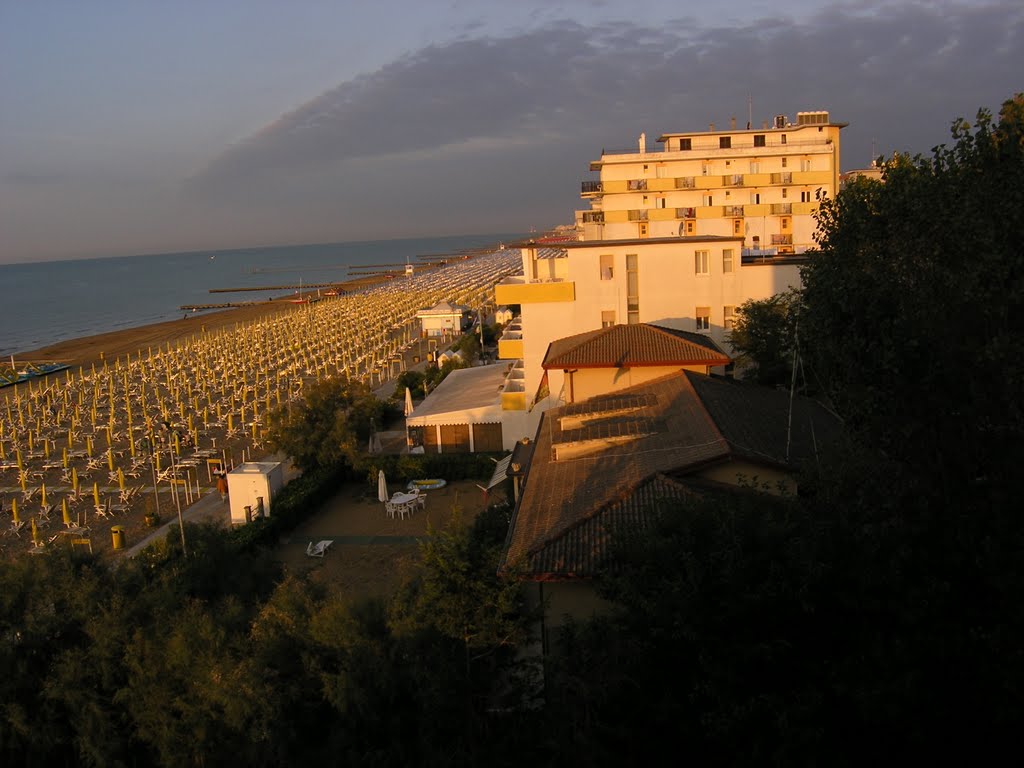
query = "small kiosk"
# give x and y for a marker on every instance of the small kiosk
(251, 489)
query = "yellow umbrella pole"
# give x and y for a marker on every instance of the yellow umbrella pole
(65, 512)
(120, 478)
(96, 493)
(14, 512)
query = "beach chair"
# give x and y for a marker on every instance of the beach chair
(318, 549)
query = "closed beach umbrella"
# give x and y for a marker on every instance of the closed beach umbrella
(65, 512)
(120, 478)
(74, 480)
(382, 487)
(35, 533)
(14, 512)
(65, 456)
(110, 459)
(408, 402)
(42, 495)
(96, 493)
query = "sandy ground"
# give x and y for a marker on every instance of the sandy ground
(370, 553)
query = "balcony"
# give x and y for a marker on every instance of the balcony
(782, 239)
(686, 213)
(732, 180)
(779, 209)
(510, 347)
(685, 182)
(519, 290)
(733, 210)
(638, 214)
(593, 217)
(782, 178)
(637, 185)
(590, 187)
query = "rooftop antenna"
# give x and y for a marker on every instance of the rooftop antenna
(792, 385)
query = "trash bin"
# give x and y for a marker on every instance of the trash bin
(117, 532)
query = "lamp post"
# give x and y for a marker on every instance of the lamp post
(147, 445)
(166, 429)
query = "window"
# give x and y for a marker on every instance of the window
(707, 199)
(659, 202)
(632, 289)
(785, 193)
(690, 226)
(755, 198)
(755, 166)
(700, 262)
(758, 139)
(705, 168)
(783, 138)
(607, 318)
(727, 260)
(728, 317)
(805, 164)
(725, 142)
(661, 171)
(607, 266)
(685, 145)
(805, 197)
(703, 315)
(786, 223)
(785, 162)
(737, 226)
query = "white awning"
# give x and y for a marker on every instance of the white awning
(500, 472)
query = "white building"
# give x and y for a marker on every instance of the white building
(762, 185)
(444, 319)
(688, 283)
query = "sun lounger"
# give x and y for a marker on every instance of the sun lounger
(318, 549)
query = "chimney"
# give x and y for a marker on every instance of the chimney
(732, 123)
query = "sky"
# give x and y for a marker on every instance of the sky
(149, 126)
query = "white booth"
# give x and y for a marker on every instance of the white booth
(251, 489)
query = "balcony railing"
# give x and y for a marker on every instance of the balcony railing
(781, 208)
(733, 210)
(782, 178)
(686, 182)
(782, 239)
(636, 185)
(732, 180)
(589, 187)
(638, 214)
(593, 217)
(686, 213)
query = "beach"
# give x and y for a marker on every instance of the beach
(79, 449)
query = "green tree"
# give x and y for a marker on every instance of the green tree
(330, 425)
(913, 309)
(764, 335)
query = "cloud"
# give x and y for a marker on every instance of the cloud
(455, 129)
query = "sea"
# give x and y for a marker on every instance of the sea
(43, 303)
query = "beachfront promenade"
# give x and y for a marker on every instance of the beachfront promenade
(82, 448)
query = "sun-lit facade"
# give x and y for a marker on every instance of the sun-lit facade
(759, 184)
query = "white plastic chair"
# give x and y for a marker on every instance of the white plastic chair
(318, 549)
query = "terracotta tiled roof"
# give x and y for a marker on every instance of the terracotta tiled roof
(601, 452)
(634, 346)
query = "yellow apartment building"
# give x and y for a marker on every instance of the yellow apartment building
(761, 185)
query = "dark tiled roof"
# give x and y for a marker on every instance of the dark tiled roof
(756, 421)
(633, 346)
(674, 425)
(583, 549)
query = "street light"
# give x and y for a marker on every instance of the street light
(166, 429)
